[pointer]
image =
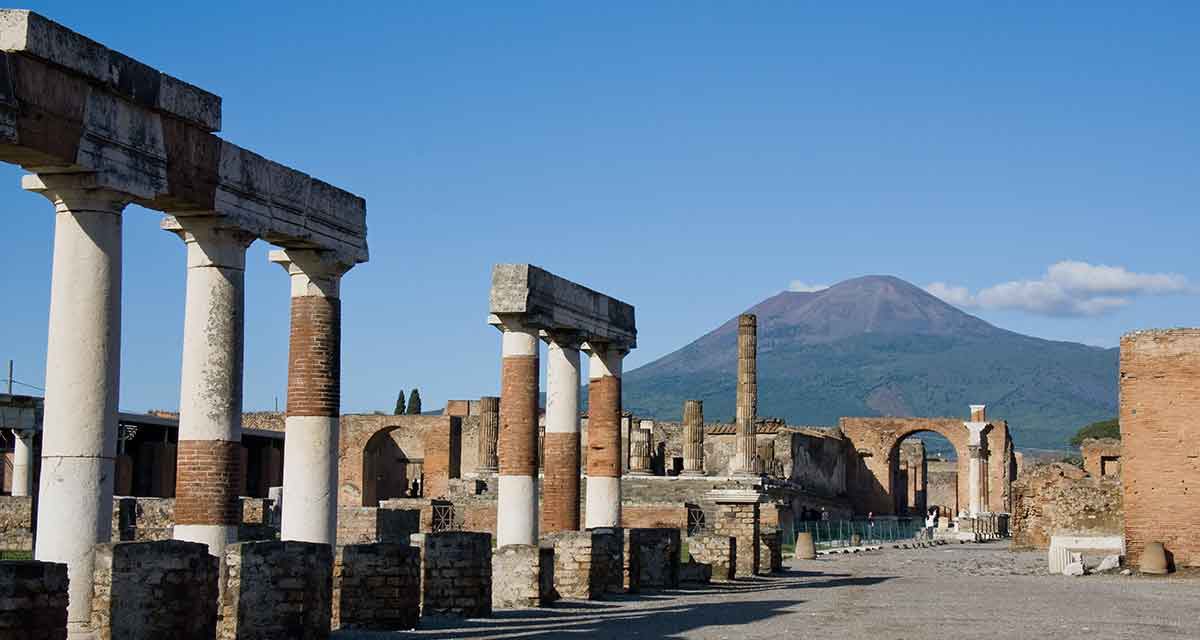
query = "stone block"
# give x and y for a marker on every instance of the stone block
(588, 564)
(522, 577)
(657, 552)
(770, 553)
(160, 589)
(276, 590)
(718, 552)
(376, 587)
(457, 574)
(33, 600)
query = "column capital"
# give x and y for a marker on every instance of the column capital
(974, 451)
(314, 272)
(562, 339)
(209, 243)
(605, 359)
(75, 192)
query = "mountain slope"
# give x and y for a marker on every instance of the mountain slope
(878, 345)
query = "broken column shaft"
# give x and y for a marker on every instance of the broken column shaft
(693, 438)
(489, 432)
(747, 395)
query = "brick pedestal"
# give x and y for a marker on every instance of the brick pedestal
(738, 516)
(376, 587)
(717, 551)
(276, 590)
(457, 574)
(164, 589)
(587, 564)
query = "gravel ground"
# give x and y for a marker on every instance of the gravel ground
(954, 591)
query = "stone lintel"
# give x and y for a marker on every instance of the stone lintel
(738, 496)
(552, 303)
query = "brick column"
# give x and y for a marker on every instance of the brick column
(489, 432)
(314, 396)
(22, 473)
(560, 483)
(83, 360)
(747, 395)
(209, 465)
(604, 436)
(639, 449)
(517, 495)
(693, 438)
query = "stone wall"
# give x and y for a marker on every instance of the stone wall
(33, 600)
(376, 587)
(1101, 457)
(654, 516)
(941, 482)
(770, 552)
(657, 556)
(366, 525)
(740, 521)
(457, 574)
(1062, 500)
(522, 577)
(162, 589)
(276, 590)
(815, 459)
(718, 552)
(587, 564)
(142, 519)
(443, 456)
(1160, 436)
(16, 523)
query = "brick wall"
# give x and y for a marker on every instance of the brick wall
(206, 487)
(716, 551)
(16, 523)
(740, 521)
(163, 589)
(587, 564)
(1060, 499)
(276, 590)
(560, 486)
(33, 600)
(1101, 457)
(654, 516)
(457, 574)
(376, 587)
(443, 451)
(1160, 436)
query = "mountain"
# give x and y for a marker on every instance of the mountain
(878, 345)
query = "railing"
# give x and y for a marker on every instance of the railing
(828, 534)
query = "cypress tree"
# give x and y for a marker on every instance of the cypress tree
(399, 404)
(414, 403)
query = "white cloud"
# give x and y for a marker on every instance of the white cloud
(804, 287)
(1068, 288)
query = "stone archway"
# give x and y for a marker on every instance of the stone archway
(373, 444)
(387, 471)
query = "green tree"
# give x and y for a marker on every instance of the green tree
(414, 403)
(1102, 429)
(399, 404)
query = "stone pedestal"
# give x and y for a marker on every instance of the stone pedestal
(276, 590)
(164, 589)
(738, 517)
(376, 587)
(457, 574)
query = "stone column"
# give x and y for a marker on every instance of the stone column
(560, 458)
(83, 360)
(604, 436)
(22, 473)
(489, 432)
(747, 395)
(693, 438)
(517, 491)
(639, 449)
(976, 498)
(208, 456)
(314, 396)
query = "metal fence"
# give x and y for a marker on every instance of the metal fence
(829, 534)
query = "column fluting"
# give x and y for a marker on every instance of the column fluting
(693, 438)
(747, 395)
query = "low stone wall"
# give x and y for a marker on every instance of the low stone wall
(658, 556)
(770, 553)
(458, 574)
(33, 600)
(654, 516)
(740, 520)
(376, 587)
(1062, 500)
(276, 590)
(522, 577)
(367, 525)
(16, 523)
(717, 551)
(142, 519)
(256, 524)
(162, 589)
(587, 564)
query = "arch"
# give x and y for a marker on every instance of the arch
(387, 471)
(360, 433)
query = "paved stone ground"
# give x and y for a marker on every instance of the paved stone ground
(954, 591)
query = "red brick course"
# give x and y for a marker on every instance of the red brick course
(206, 488)
(314, 357)
(604, 427)
(518, 440)
(560, 485)
(1160, 442)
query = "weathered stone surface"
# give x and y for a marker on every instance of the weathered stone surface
(1101, 457)
(657, 553)
(365, 525)
(16, 523)
(1062, 500)
(695, 572)
(376, 587)
(549, 302)
(161, 589)
(33, 600)
(719, 552)
(770, 553)
(457, 574)
(522, 577)
(587, 564)
(142, 519)
(740, 521)
(276, 590)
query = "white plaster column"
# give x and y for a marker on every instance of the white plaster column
(603, 508)
(207, 508)
(560, 462)
(83, 359)
(314, 396)
(976, 444)
(517, 490)
(22, 476)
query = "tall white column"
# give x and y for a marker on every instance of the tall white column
(314, 396)
(22, 477)
(83, 359)
(517, 491)
(976, 444)
(603, 508)
(207, 508)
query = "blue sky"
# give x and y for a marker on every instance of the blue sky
(689, 158)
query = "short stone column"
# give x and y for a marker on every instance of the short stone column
(517, 495)
(489, 433)
(208, 457)
(747, 396)
(163, 589)
(457, 574)
(83, 361)
(604, 436)
(22, 469)
(276, 590)
(738, 517)
(693, 438)
(640, 449)
(33, 600)
(314, 396)
(376, 587)
(560, 451)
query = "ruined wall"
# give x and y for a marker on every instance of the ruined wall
(457, 574)
(16, 523)
(587, 564)
(815, 459)
(942, 488)
(1061, 499)
(1101, 457)
(376, 587)
(655, 515)
(365, 525)
(276, 590)
(522, 577)
(740, 521)
(142, 519)
(33, 600)
(1160, 436)
(406, 439)
(162, 589)
(717, 551)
